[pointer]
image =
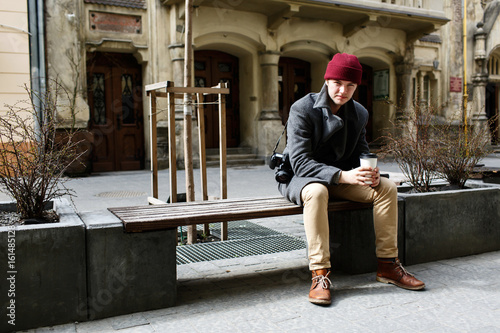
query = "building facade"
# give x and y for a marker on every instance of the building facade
(483, 59)
(14, 53)
(270, 53)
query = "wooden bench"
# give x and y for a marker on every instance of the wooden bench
(164, 216)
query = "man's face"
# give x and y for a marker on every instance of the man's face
(341, 91)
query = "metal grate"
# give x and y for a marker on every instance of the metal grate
(121, 194)
(246, 239)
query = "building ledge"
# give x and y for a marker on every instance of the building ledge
(352, 15)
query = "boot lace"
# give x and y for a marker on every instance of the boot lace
(401, 269)
(323, 280)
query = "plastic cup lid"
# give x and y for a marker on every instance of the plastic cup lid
(368, 155)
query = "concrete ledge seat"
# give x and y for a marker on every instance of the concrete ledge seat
(352, 240)
(164, 216)
(127, 272)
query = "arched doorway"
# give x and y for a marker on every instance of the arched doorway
(492, 105)
(364, 95)
(211, 68)
(116, 116)
(294, 82)
(492, 98)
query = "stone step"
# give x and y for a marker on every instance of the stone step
(231, 160)
(238, 162)
(238, 156)
(232, 157)
(231, 151)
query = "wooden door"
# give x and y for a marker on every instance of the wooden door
(116, 117)
(211, 68)
(492, 105)
(364, 95)
(294, 82)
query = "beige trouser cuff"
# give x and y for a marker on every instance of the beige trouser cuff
(315, 198)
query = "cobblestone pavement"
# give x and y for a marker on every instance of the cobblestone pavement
(268, 293)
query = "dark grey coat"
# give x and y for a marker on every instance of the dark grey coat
(321, 144)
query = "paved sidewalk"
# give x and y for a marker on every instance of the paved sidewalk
(268, 293)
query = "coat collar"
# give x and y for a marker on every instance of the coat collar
(333, 123)
(323, 98)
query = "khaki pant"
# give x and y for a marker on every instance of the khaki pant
(315, 197)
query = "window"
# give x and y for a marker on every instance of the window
(99, 97)
(494, 65)
(128, 116)
(426, 89)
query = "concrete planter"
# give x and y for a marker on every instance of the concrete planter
(448, 224)
(128, 272)
(43, 271)
(352, 240)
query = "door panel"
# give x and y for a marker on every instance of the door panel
(128, 116)
(211, 68)
(101, 125)
(115, 99)
(492, 103)
(364, 95)
(294, 77)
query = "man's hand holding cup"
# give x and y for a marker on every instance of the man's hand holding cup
(369, 160)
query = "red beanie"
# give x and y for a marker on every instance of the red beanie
(345, 67)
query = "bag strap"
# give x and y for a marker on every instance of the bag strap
(279, 139)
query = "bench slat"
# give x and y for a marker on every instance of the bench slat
(211, 203)
(178, 211)
(163, 216)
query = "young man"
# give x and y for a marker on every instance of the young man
(326, 136)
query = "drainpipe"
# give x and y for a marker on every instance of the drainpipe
(37, 58)
(465, 96)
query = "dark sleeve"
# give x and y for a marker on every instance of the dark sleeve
(300, 145)
(362, 144)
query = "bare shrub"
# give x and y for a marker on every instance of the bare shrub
(32, 160)
(426, 147)
(460, 150)
(413, 147)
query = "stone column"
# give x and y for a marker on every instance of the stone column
(269, 125)
(404, 69)
(479, 79)
(177, 58)
(421, 82)
(176, 51)
(269, 70)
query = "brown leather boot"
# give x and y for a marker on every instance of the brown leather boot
(320, 288)
(393, 272)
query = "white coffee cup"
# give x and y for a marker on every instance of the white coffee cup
(368, 160)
